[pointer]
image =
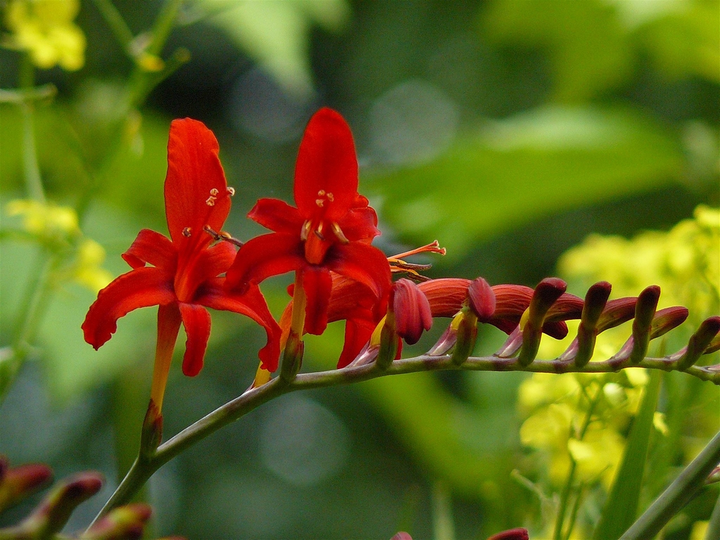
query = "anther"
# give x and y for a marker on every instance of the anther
(231, 191)
(214, 192)
(330, 197)
(210, 201)
(222, 236)
(305, 231)
(339, 234)
(320, 202)
(186, 232)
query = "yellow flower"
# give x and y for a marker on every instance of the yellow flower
(88, 270)
(43, 219)
(44, 29)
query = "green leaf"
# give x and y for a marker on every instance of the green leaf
(276, 34)
(622, 504)
(524, 168)
(587, 46)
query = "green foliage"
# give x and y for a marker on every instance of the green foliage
(624, 498)
(525, 168)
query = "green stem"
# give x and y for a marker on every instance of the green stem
(117, 24)
(253, 398)
(677, 494)
(33, 181)
(713, 530)
(567, 489)
(28, 320)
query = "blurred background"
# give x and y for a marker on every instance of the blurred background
(508, 130)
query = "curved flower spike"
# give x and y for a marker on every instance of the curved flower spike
(330, 230)
(184, 275)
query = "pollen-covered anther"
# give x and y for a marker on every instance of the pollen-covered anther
(339, 234)
(305, 231)
(214, 192)
(186, 232)
(231, 191)
(210, 201)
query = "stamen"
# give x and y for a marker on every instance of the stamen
(330, 197)
(222, 236)
(338, 232)
(433, 247)
(210, 201)
(305, 231)
(231, 191)
(186, 232)
(320, 202)
(214, 192)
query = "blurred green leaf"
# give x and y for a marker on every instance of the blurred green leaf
(276, 34)
(585, 42)
(621, 506)
(527, 167)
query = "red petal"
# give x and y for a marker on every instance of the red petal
(317, 283)
(265, 256)
(138, 288)
(326, 172)
(360, 224)
(196, 321)
(277, 216)
(251, 304)
(152, 248)
(363, 263)
(204, 265)
(357, 334)
(196, 192)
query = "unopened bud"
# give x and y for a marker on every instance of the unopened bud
(401, 536)
(512, 534)
(667, 319)
(466, 336)
(699, 342)
(644, 313)
(481, 299)
(616, 312)
(52, 514)
(595, 301)
(125, 522)
(19, 482)
(545, 295)
(388, 342)
(411, 309)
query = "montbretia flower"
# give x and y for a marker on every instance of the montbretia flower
(184, 275)
(330, 230)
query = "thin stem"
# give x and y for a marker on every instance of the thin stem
(254, 397)
(28, 319)
(713, 530)
(677, 494)
(567, 489)
(117, 24)
(33, 181)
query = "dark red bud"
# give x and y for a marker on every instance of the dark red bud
(412, 311)
(482, 299)
(512, 534)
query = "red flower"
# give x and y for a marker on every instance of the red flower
(330, 230)
(183, 276)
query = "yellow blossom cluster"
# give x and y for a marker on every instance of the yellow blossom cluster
(45, 29)
(57, 228)
(581, 420)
